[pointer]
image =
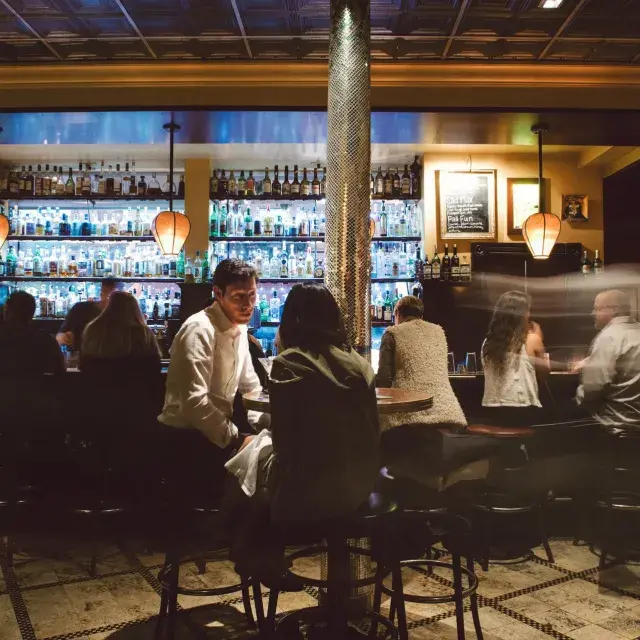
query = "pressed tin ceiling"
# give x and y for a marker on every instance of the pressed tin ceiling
(583, 31)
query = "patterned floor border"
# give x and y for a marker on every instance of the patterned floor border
(148, 572)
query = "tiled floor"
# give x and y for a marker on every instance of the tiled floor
(50, 596)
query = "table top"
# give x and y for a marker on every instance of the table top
(389, 401)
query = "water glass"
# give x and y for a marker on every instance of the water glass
(451, 363)
(471, 363)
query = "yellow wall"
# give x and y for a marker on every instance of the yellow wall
(562, 173)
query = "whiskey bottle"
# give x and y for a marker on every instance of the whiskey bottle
(46, 182)
(242, 184)
(214, 184)
(110, 182)
(251, 185)
(223, 185)
(378, 189)
(455, 265)
(286, 185)
(415, 178)
(598, 266)
(435, 265)
(60, 184)
(142, 187)
(117, 182)
(70, 185)
(21, 182)
(232, 185)
(305, 186)
(419, 265)
(446, 265)
(295, 185)
(397, 187)
(586, 266)
(323, 182)
(465, 270)
(133, 185)
(39, 182)
(29, 182)
(405, 182)
(266, 183)
(388, 185)
(315, 184)
(79, 179)
(276, 187)
(181, 188)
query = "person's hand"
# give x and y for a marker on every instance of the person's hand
(65, 339)
(577, 367)
(247, 440)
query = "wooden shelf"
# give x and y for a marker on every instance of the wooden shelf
(92, 198)
(81, 238)
(257, 239)
(140, 279)
(268, 198)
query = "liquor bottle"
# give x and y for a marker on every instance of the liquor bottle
(445, 273)
(378, 185)
(293, 263)
(455, 265)
(133, 185)
(72, 267)
(264, 309)
(65, 227)
(284, 261)
(21, 182)
(214, 226)
(384, 222)
(397, 186)
(417, 290)
(586, 265)
(266, 183)
(305, 186)
(109, 183)
(197, 268)
(465, 270)
(60, 184)
(126, 180)
(388, 307)
(11, 262)
(205, 267)
(85, 227)
(286, 185)
(318, 272)
(79, 175)
(182, 189)
(117, 182)
(251, 185)
(388, 185)
(46, 182)
(315, 184)
(418, 265)
(274, 307)
(242, 184)
(598, 266)
(278, 229)
(427, 266)
(137, 223)
(323, 182)
(214, 184)
(180, 265)
(223, 185)
(142, 187)
(295, 185)
(232, 185)
(70, 185)
(415, 178)
(29, 182)
(223, 222)
(13, 182)
(435, 265)
(276, 186)
(405, 182)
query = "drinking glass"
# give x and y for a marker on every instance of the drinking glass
(471, 362)
(267, 364)
(451, 363)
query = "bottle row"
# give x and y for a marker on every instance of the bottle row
(596, 267)
(447, 269)
(52, 221)
(86, 181)
(157, 304)
(85, 261)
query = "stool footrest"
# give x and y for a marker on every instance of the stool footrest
(218, 591)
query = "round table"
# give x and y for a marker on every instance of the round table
(389, 401)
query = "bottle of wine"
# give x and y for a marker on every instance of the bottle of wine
(323, 182)
(388, 185)
(276, 186)
(305, 186)
(295, 185)
(446, 265)
(415, 178)
(405, 182)
(455, 265)
(315, 184)
(70, 185)
(419, 265)
(586, 265)
(286, 185)
(242, 184)
(435, 265)
(598, 266)
(266, 183)
(397, 186)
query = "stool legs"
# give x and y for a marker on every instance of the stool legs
(542, 528)
(457, 592)
(337, 591)
(398, 601)
(474, 603)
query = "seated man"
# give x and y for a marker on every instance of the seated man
(25, 350)
(610, 375)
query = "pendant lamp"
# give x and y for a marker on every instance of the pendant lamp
(541, 230)
(4, 228)
(170, 228)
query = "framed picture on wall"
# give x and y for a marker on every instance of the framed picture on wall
(466, 204)
(522, 201)
(575, 208)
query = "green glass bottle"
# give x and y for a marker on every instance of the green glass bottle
(205, 267)
(214, 230)
(180, 266)
(264, 309)
(248, 224)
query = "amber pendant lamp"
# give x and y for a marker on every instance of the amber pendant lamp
(4, 221)
(541, 230)
(170, 228)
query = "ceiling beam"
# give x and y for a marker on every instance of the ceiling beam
(134, 26)
(454, 31)
(563, 26)
(236, 12)
(622, 163)
(27, 26)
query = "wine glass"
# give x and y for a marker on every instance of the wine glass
(471, 362)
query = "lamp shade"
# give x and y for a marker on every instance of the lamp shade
(4, 229)
(171, 229)
(540, 231)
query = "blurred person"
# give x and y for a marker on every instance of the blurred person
(413, 356)
(320, 459)
(81, 314)
(119, 341)
(515, 362)
(24, 349)
(210, 363)
(610, 375)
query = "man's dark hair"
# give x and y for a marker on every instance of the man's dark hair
(311, 320)
(410, 307)
(20, 307)
(110, 283)
(231, 271)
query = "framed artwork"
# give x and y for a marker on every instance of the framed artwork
(575, 208)
(522, 201)
(466, 204)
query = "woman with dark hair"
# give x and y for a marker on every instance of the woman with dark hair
(514, 360)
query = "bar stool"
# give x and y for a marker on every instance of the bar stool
(429, 526)
(620, 495)
(503, 500)
(336, 615)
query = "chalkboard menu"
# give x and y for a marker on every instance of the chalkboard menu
(467, 204)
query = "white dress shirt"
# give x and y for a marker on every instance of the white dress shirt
(610, 382)
(210, 362)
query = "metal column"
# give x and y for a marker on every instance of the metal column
(347, 266)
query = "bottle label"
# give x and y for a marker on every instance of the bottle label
(598, 270)
(406, 187)
(455, 273)
(435, 272)
(586, 268)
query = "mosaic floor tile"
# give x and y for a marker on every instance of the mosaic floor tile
(558, 619)
(9, 629)
(590, 610)
(626, 625)
(594, 632)
(526, 604)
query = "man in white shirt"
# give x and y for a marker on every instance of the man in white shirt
(610, 375)
(210, 361)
